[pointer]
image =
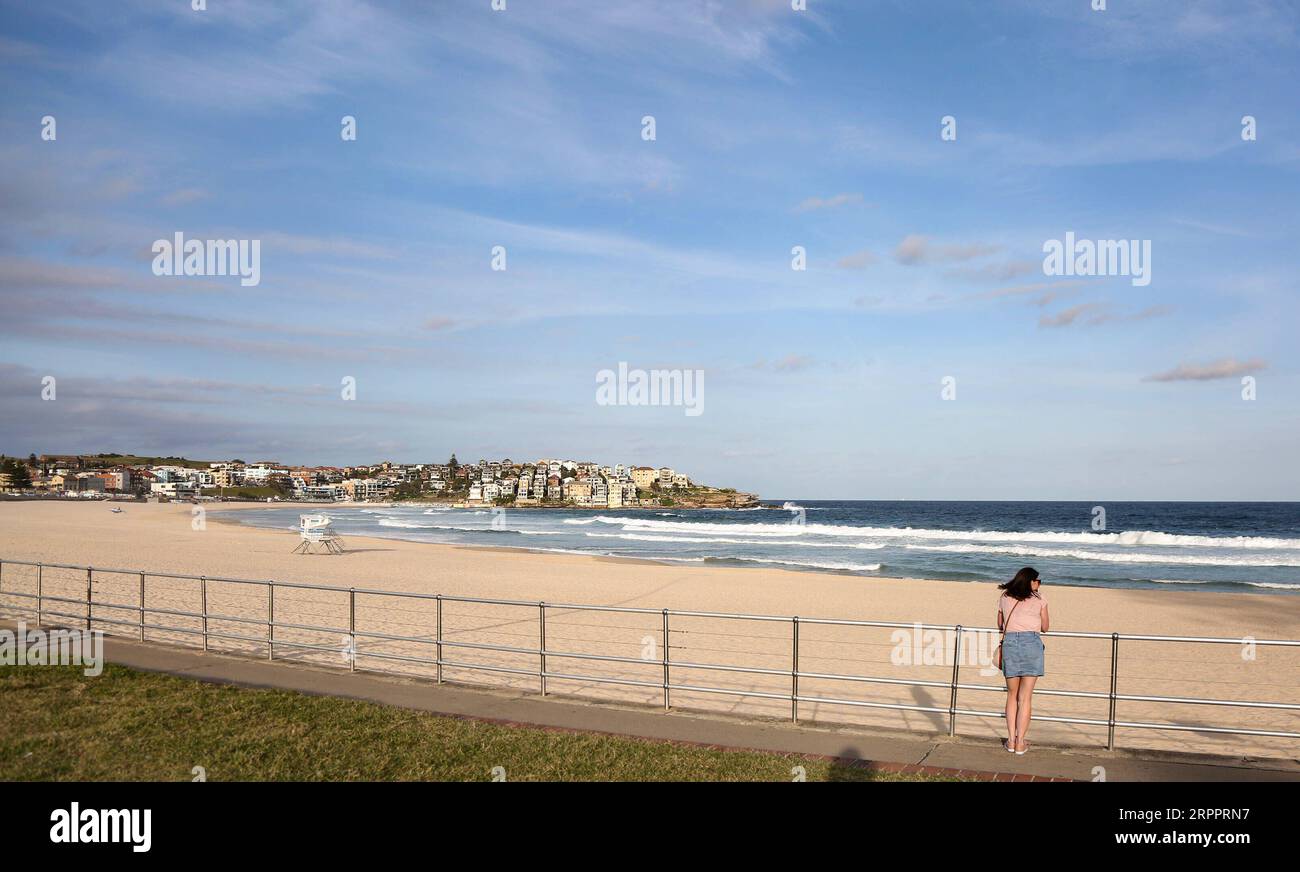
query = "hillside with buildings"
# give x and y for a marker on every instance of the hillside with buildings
(539, 483)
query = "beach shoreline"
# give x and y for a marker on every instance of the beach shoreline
(957, 549)
(176, 517)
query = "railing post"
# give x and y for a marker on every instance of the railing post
(270, 620)
(667, 692)
(438, 638)
(952, 702)
(89, 582)
(794, 671)
(541, 626)
(352, 626)
(1114, 683)
(40, 573)
(142, 607)
(203, 600)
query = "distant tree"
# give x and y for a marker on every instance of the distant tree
(19, 477)
(407, 490)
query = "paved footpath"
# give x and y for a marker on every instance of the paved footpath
(894, 751)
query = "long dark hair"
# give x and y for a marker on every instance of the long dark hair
(1022, 586)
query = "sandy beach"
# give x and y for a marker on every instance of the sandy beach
(160, 539)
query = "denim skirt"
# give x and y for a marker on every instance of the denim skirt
(1022, 654)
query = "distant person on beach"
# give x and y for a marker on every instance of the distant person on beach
(1022, 615)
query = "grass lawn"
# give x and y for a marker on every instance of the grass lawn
(127, 725)
(243, 492)
(141, 460)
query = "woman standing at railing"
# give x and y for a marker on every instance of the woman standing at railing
(1022, 615)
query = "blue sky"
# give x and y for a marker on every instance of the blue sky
(774, 128)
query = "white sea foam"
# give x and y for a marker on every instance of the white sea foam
(714, 540)
(812, 564)
(1268, 584)
(1114, 557)
(410, 525)
(1131, 538)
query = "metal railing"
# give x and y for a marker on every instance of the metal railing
(665, 685)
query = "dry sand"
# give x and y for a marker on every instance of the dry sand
(160, 539)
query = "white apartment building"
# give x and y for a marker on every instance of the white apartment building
(174, 489)
(323, 492)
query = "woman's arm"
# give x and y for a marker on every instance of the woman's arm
(1047, 622)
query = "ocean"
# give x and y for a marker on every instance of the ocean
(1144, 545)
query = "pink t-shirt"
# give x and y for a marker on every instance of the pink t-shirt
(1028, 614)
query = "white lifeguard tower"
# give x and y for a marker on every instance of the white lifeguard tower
(316, 530)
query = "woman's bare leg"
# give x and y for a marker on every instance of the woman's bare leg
(1013, 690)
(1024, 709)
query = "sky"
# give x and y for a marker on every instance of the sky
(922, 353)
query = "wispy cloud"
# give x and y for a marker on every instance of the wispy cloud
(792, 363)
(1227, 367)
(1097, 314)
(857, 260)
(1047, 292)
(1123, 318)
(1216, 229)
(999, 272)
(184, 196)
(1068, 316)
(918, 249)
(788, 363)
(814, 203)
